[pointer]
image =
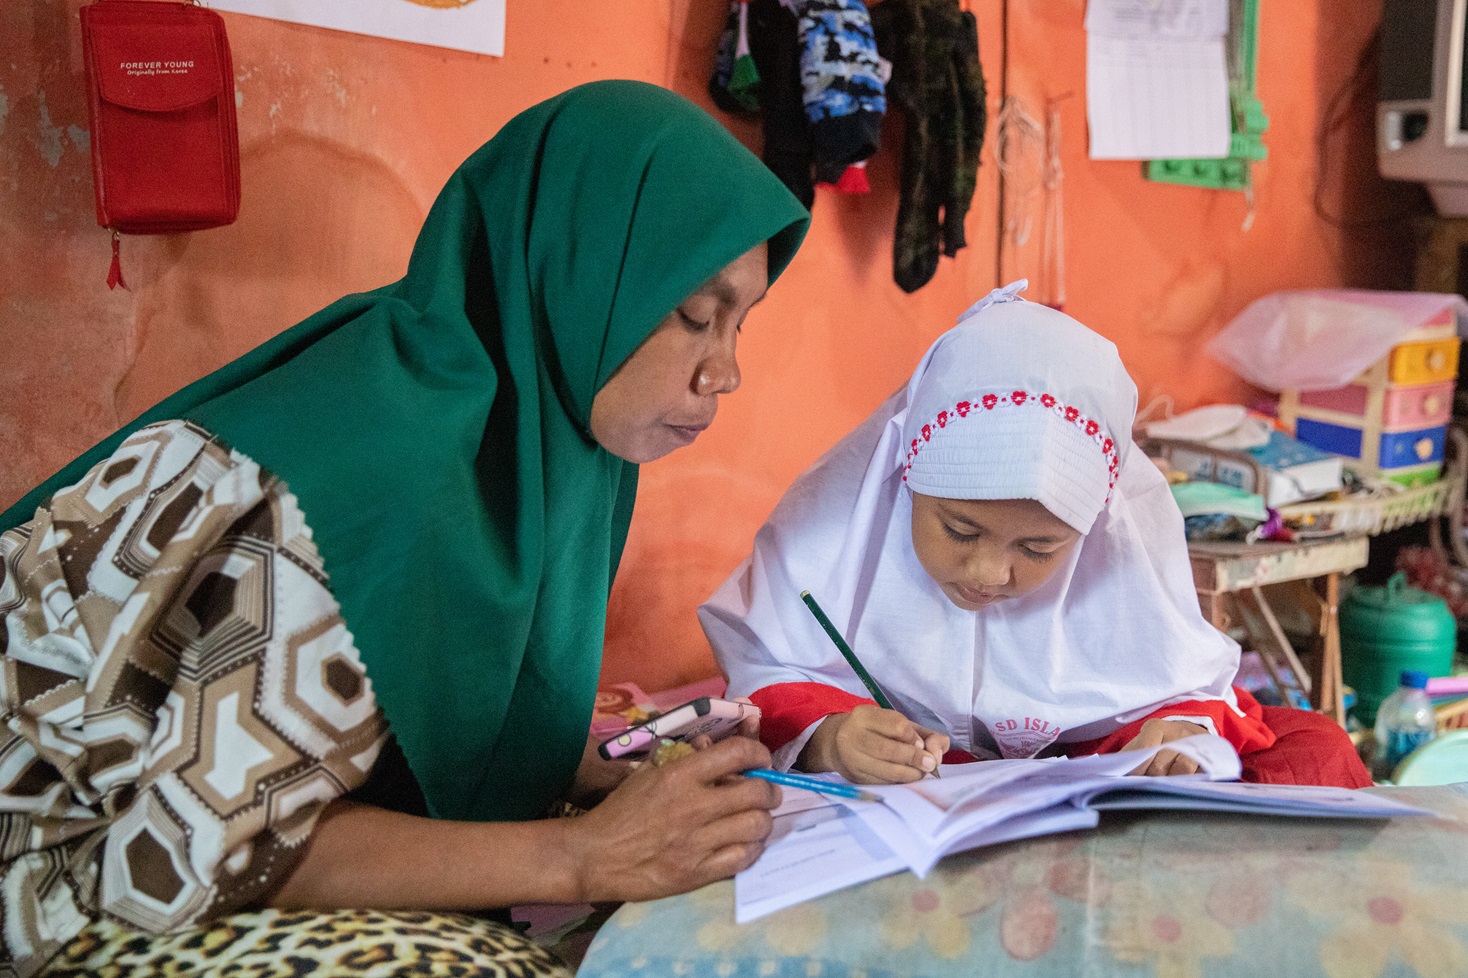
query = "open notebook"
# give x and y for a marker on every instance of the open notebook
(822, 844)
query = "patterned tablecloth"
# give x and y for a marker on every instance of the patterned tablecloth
(1170, 894)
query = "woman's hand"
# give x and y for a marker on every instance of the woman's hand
(871, 745)
(667, 830)
(595, 776)
(661, 831)
(1165, 762)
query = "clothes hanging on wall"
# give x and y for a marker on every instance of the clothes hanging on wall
(821, 94)
(774, 40)
(933, 46)
(841, 80)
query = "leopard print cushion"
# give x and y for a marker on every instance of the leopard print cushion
(310, 944)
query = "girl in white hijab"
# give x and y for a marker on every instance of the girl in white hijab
(1011, 571)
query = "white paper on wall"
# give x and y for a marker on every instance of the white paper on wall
(465, 25)
(1157, 79)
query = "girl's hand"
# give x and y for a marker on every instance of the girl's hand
(1165, 762)
(871, 745)
(749, 726)
(667, 830)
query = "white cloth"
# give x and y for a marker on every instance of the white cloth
(1115, 634)
(1019, 402)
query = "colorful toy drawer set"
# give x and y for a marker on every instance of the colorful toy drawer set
(1393, 418)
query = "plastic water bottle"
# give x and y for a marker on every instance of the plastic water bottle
(1404, 722)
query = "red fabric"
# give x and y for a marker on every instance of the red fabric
(788, 708)
(1311, 749)
(1277, 745)
(1297, 747)
(1247, 733)
(854, 180)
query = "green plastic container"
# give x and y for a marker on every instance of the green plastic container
(1387, 629)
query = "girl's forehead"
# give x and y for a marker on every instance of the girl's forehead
(1018, 517)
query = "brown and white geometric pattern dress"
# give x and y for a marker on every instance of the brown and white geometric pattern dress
(181, 699)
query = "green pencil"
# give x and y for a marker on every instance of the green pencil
(846, 653)
(850, 657)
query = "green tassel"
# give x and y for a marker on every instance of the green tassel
(744, 77)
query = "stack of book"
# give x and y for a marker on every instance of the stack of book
(1284, 470)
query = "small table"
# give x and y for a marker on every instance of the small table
(1230, 578)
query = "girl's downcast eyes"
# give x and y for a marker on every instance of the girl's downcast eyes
(957, 536)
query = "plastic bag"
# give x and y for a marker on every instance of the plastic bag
(1316, 339)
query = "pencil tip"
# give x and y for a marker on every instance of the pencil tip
(805, 593)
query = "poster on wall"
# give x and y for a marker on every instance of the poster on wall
(465, 25)
(1157, 79)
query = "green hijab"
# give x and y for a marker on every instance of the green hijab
(437, 431)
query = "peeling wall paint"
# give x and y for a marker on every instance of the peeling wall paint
(50, 139)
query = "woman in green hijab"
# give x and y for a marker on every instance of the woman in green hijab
(323, 629)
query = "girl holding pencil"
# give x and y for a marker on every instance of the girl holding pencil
(1010, 571)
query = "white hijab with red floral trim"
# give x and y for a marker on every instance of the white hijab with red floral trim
(1017, 401)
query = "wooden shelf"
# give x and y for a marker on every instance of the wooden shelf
(1230, 578)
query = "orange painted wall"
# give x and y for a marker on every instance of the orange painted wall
(1158, 268)
(346, 139)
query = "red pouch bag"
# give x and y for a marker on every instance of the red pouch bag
(160, 95)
